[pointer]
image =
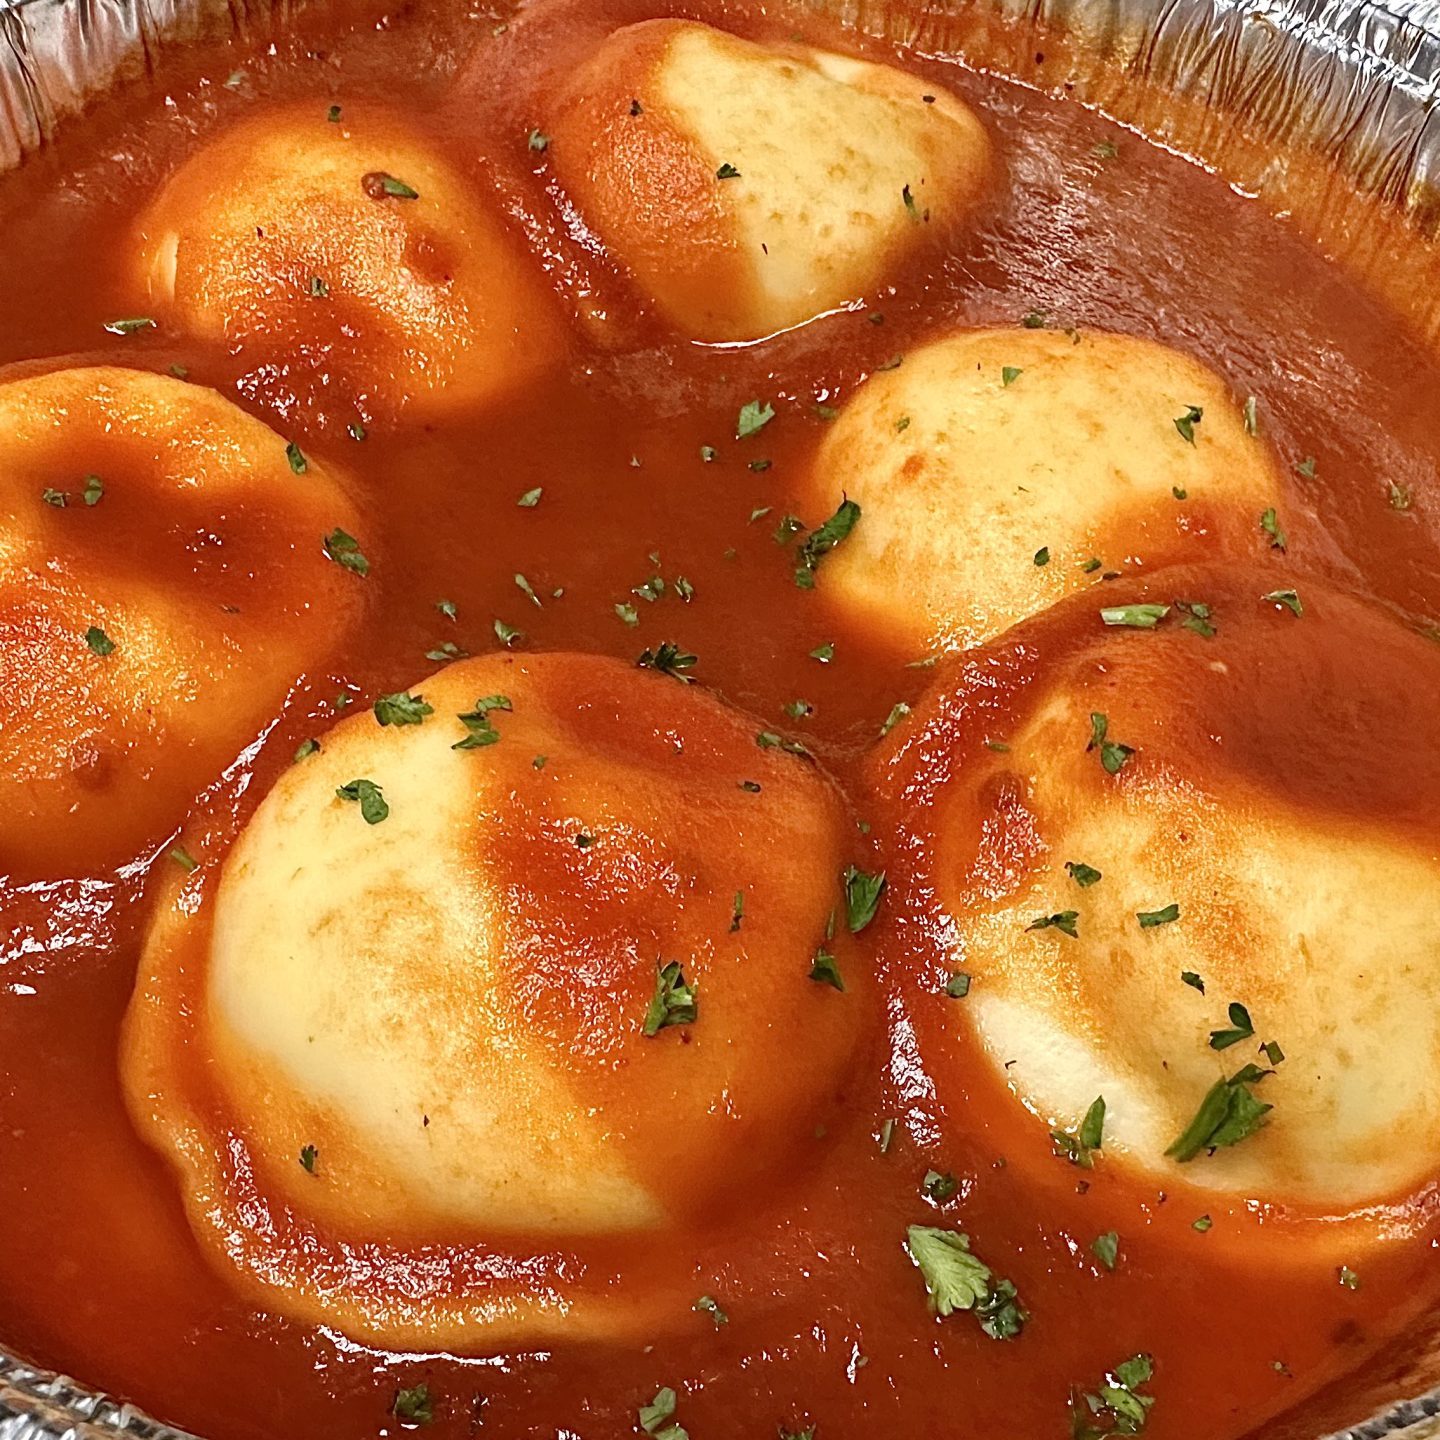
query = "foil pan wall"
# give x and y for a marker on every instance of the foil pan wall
(1245, 84)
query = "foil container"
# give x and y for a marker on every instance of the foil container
(1246, 85)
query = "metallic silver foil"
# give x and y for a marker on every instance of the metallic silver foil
(1350, 81)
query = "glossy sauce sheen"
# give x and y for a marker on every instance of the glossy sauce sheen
(99, 1274)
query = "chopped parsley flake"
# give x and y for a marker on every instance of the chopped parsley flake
(1009, 374)
(531, 498)
(308, 1156)
(1116, 1407)
(1240, 1028)
(1288, 598)
(538, 141)
(1112, 754)
(1251, 416)
(1202, 1224)
(754, 417)
(898, 711)
(940, 1187)
(1135, 617)
(655, 1417)
(957, 987)
(821, 542)
(345, 551)
(669, 659)
(508, 635)
(1149, 919)
(1197, 617)
(94, 491)
(627, 613)
(479, 729)
(674, 1002)
(402, 708)
(1082, 874)
(727, 172)
(1106, 1249)
(129, 326)
(183, 858)
(862, 897)
(824, 653)
(58, 498)
(708, 1305)
(1348, 1278)
(1066, 922)
(1228, 1114)
(957, 1279)
(414, 1406)
(371, 799)
(1079, 1147)
(1306, 467)
(1042, 555)
(99, 641)
(305, 750)
(1190, 978)
(380, 185)
(825, 971)
(1270, 524)
(1187, 422)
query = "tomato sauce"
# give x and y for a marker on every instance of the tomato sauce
(828, 1325)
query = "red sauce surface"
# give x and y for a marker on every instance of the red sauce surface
(99, 1274)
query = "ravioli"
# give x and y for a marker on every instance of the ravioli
(531, 966)
(999, 470)
(163, 582)
(1182, 879)
(352, 270)
(750, 187)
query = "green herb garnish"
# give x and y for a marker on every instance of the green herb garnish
(345, 551)
(402, 708)
(674, 1001)
(754, 416)
(1187, 422)
(669, 659)
(479, 729)
(1228, 1114)
(1078, 1147)
(862, 897)
(369, 796)
(1149, 919)
(1066, 922)
(1135, 617)
(957, 1279)
(1112, 754)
